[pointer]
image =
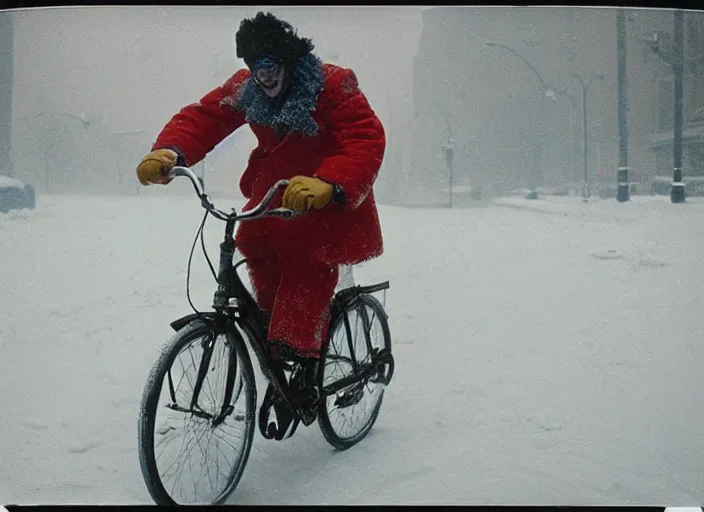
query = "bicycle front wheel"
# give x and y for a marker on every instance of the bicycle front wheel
(197, 417)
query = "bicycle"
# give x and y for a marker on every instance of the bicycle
(354, 366)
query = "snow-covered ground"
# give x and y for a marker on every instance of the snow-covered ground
(548, 352)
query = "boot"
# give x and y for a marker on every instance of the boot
(303, 381)
(304, 388)
(286, 417)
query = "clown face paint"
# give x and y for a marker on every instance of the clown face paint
(270, 77)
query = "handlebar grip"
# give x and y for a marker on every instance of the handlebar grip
(284, 213)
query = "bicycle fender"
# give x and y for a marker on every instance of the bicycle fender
(182, 322)
(347, 296)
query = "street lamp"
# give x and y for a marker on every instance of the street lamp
(448, 149)
(509, 49)
(6, 56)
(677, 194)
(585, 86)
(545, 93)
(622, 191)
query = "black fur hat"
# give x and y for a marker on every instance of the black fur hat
(265, 34)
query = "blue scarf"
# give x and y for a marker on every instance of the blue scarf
(295, 112)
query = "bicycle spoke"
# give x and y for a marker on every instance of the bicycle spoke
(184, 375)
(176, 461)
(218, 448)
(204, 464)
(219, 433)
(184, 444)
(212, 393)
(350, 339)
(227, 442)
(165, 440)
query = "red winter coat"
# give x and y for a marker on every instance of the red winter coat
(347, 151)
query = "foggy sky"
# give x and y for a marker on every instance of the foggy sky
(130, 69)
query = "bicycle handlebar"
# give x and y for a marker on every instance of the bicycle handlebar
(257, 212)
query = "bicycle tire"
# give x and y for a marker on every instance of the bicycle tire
(328, 430)
(149, 404)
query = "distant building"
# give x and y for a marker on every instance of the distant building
(493, 103)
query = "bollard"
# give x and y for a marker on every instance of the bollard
(623, 191)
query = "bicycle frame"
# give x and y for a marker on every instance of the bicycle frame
(233, 305)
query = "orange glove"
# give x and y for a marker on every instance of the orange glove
(155, 166)
(304, 193)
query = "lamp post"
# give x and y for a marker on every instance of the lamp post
(677, 192)
(623, 192)
(585, 87)
(6, 52)
(545, 92)
(448, 149)
(675, 59)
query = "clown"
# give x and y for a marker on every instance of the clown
(315, 128)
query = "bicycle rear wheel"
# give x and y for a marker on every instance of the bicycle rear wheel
(356, 335)
(196, 453)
